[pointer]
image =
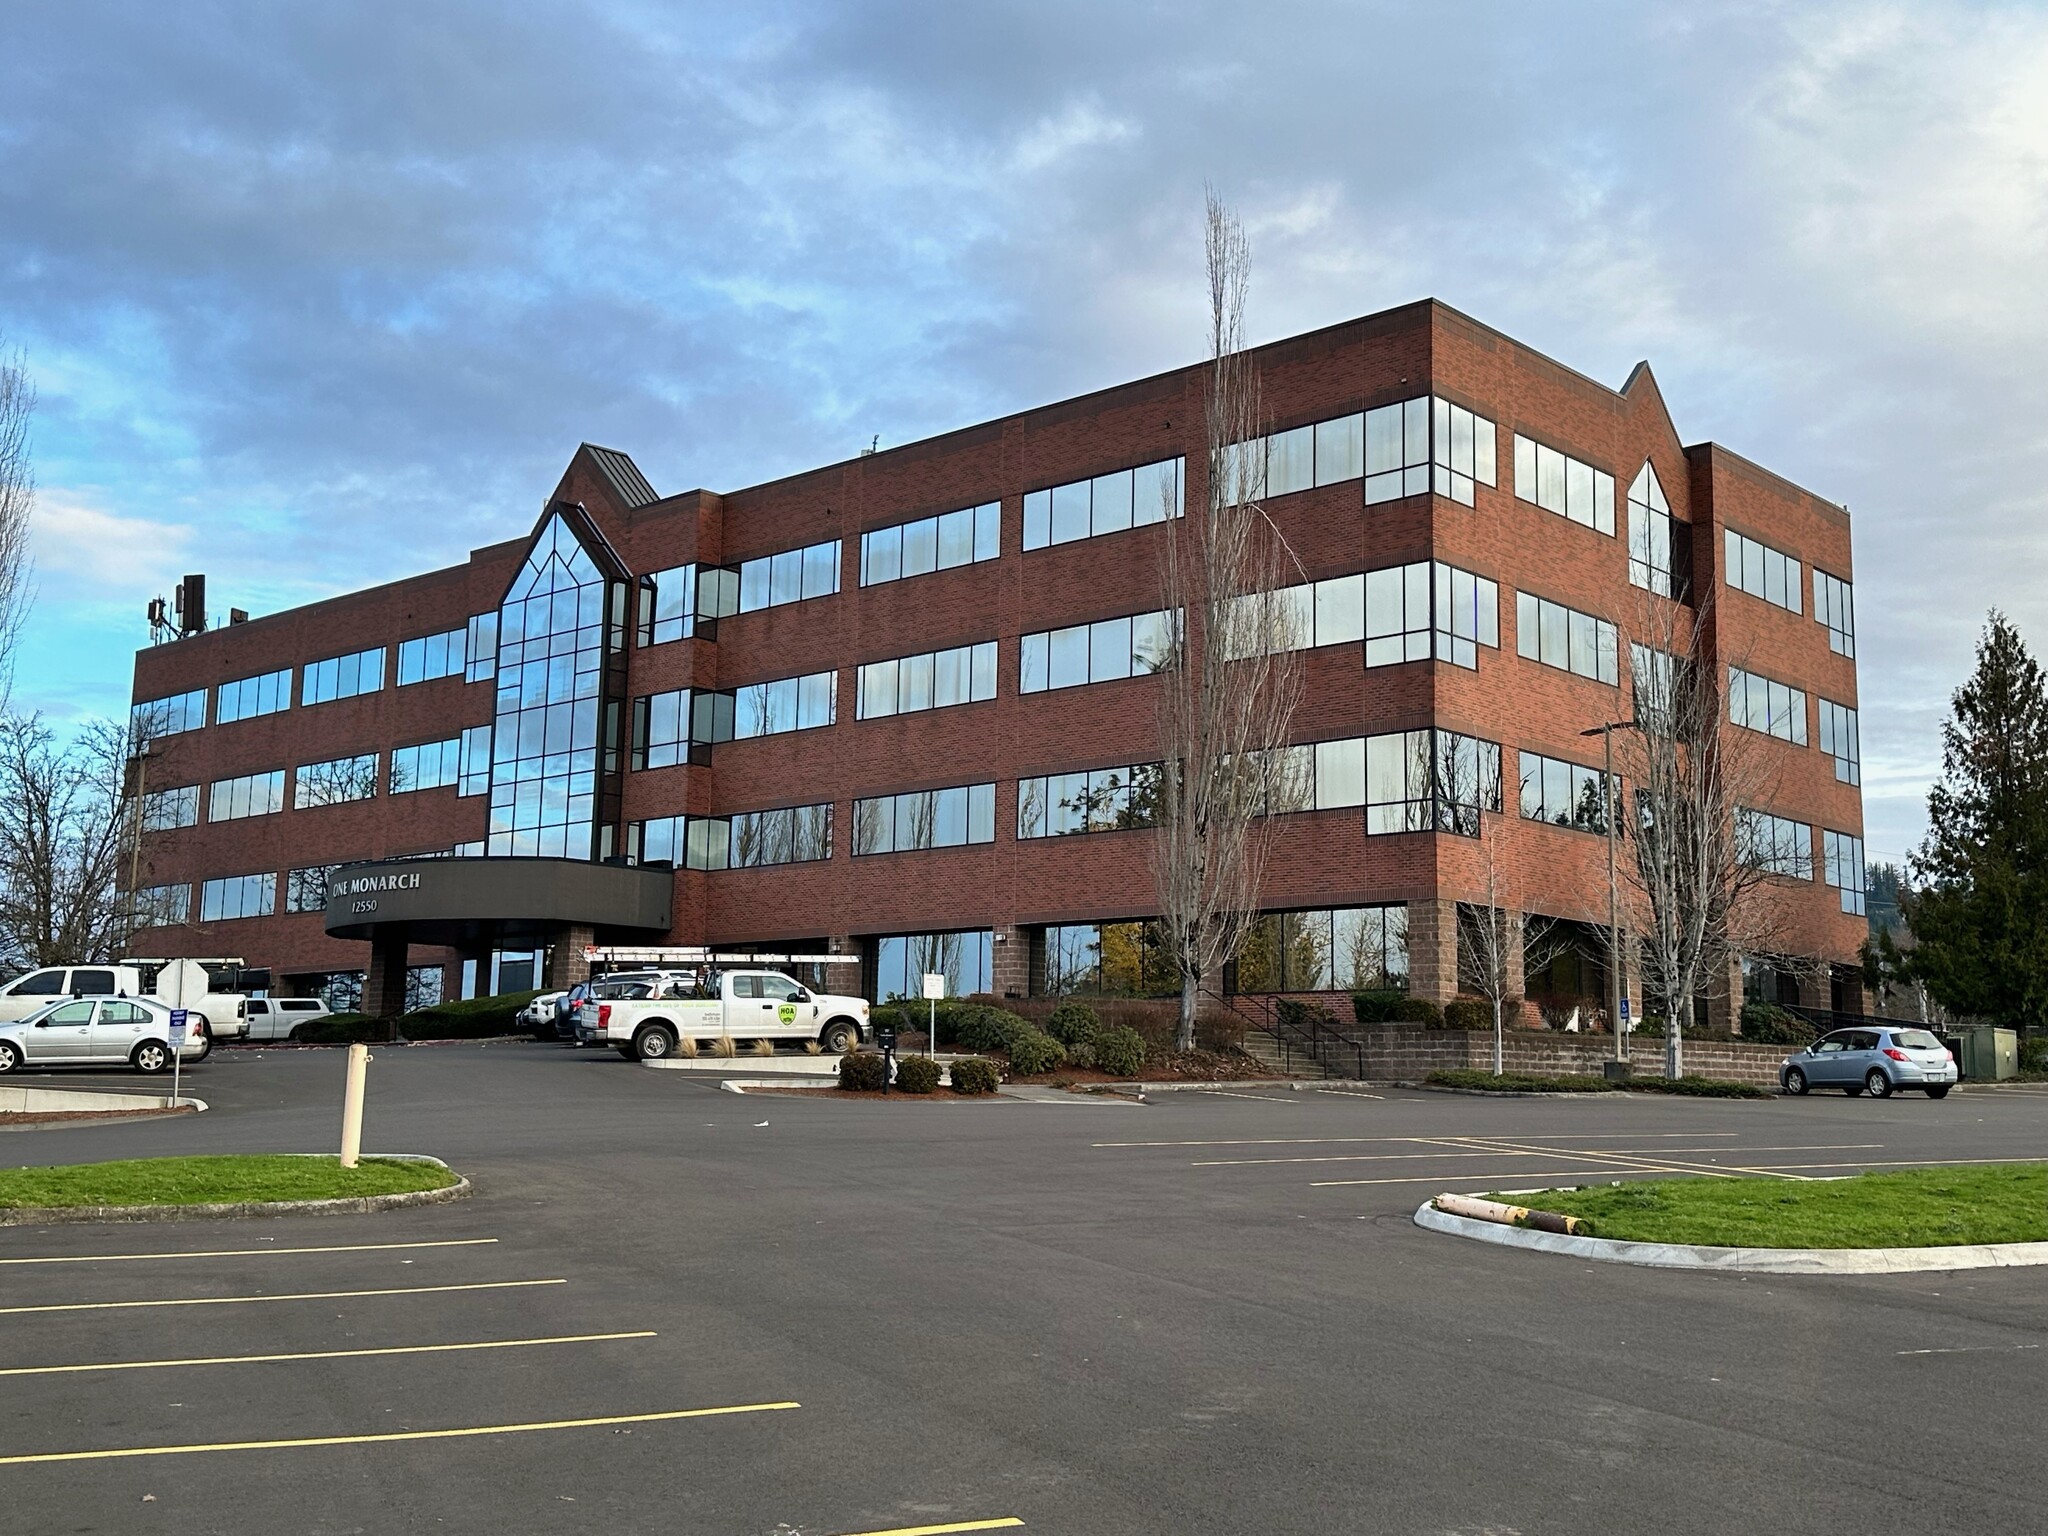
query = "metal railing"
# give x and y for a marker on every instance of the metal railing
(1338, 1050)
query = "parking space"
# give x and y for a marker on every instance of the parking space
(670, 1308)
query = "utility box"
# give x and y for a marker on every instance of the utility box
(1990, 1054)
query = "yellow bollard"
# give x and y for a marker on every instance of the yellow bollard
(352, 1105)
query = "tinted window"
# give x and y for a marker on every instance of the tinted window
(1863, 1040)
(93, 983)
(1837, 1042)
(118, 1012)
(746, 986)
(39, 984)
(1915, 1040)
(307, 1005)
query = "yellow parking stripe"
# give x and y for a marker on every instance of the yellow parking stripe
(1336, 1141)
(1491, 1178)
(1402, 1157)
(387, 1439)
(224, 1301)
(1008, 1522)
(249, 1253)
(322, 1354)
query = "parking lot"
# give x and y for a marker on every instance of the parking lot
(669, 1308)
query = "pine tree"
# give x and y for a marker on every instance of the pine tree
(1979, 907)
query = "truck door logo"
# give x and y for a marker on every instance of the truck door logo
(786, 1013)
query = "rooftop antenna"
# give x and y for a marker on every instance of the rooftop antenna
(872, 448)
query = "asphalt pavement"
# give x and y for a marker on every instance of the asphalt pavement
(673, 1309)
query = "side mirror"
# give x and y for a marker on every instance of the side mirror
(798, 996)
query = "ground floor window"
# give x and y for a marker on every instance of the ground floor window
(1129, 959)
(903, 960)
(1341, 949)
(1564, 970)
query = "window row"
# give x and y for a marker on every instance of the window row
(1842, 860)
(1096, 653)
(797, 834)
(168, 716)
(793, 576)
(1086, 509)
(1402, 613)
(1762, 571)
(431, 656)
(1563, 637)
(1559, 483)
(1408, 781)
(1564, 794)
(334, 782)
(964, 674)
(164, 810)
(248, 697)
(1777, 845)
(237, 896)
(1839, 740)
(1761, 704)
(931, 544)
(342, 677)
(1096, 800)
(1834, 605)
(429, 765)
(668, 605)
(926, 818)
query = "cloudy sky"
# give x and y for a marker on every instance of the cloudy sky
(317, 296)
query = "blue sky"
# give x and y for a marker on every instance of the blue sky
(320, 296)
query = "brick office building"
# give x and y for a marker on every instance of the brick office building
(864, 706)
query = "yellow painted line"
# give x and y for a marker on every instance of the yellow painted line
(1008, 1522)
(391, 1438)
(1917, 1162)
(322, 1354)
(1643, 1164)
(1493, 1178)
(1399, 1157)
(249, 1253)
(224, 1301)
(1352, 1141)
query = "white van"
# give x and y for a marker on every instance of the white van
(274, 1018)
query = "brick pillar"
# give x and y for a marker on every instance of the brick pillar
(848, 980)
(566, 963)
(1433, 949)
(1514, 1006)
(384, 982)
(1010, 965)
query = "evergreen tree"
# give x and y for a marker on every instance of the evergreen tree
(1979, 904)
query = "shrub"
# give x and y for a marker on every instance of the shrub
(1033, 1051)
(1120, 1051)
(863, 1070)
(1650, 1026)
(1376, 1007)
(342, 1029)
(1419, 1010)
(472, 1018)
(1768, 1024)
(2034, 1053)
(1697, 1087)
(1073, 1024)
(1471, 1013)
(916, 1074)
(1081, 1054)
(724, 1046)
(686, 1046)
(760, 1047)
(1306, 1017)
(982, 1028)
(973, 1074)
(1516, 1082)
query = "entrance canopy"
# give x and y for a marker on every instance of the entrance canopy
(497, 902)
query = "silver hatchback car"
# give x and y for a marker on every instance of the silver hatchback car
(1873, 1061)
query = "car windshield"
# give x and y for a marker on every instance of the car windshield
(1915, 1040)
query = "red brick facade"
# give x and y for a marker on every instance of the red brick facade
(1322, 859)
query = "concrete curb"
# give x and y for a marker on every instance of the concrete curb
(38, 1216)
(29, 1100)
(1755, 1261)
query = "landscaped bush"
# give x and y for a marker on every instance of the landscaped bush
(1516, 1082)
(982, 1028)
(1033, 1051)
(1073, 1024)
(1419, 1010)
(1120, 1051)
(973, 1074)
(1376, 1007)
(1470, 1013)
(1697, 1087)
(2034, 1053)
(1768, 1024)
(473, 1018)
(1651, 1026)
(1309, 1018)
(863, 1070)
(342, 1029)
(916, 1074)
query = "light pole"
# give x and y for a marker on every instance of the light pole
(1606, 734)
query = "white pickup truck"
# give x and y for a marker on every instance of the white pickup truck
(187, 984)
(733, 1005)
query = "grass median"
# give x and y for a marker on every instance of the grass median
(214, 1180)
(1916, 1208)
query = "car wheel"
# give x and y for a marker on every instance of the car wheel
(150, 1056)
(1877, 1084)
(653, 1043)
(1938, 1092)
(10, 1057)
(1795, 1081)
(841, 1037)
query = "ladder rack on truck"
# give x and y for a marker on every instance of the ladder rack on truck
(613, 954)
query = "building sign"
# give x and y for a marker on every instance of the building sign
(362, 885)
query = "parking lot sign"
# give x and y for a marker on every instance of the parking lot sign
(179, 1022)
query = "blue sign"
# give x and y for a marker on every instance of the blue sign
(1624, 1010)
(179, 1016)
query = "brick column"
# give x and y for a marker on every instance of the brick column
(1514, 1003)
(848, 980)
(1010, 965)
(384, 982)
(566, 964)
(1433, 949)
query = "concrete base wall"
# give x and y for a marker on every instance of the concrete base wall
(1396, 1054)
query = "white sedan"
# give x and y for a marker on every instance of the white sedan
(131, 1032)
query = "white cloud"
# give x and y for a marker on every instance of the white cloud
(84, 552)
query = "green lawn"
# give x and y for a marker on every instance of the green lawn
(205, 1180)
(1921, 1207)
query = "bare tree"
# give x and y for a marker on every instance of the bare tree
(1497, 942)
(1701, 884)
(65, 833)
(17, 503)
(1231, 684)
